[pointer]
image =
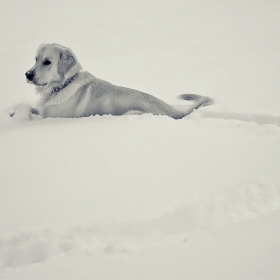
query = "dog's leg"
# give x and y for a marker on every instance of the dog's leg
(34, 111)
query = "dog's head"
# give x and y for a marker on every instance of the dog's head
(54, 65)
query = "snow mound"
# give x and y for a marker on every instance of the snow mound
(110, 188)
(223, 209)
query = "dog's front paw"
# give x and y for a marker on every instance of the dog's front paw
(22, 113)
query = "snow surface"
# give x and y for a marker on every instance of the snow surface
(139, 197)
(145, 197)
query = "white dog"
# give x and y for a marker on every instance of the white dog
(66, 91)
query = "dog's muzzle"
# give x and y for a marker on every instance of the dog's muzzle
(29, 75)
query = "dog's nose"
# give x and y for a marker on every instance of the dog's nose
(29, 75)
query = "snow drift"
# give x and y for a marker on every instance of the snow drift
(125, 189)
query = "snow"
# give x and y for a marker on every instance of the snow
(118, 195)
(144, 197)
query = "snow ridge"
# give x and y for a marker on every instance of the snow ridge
(223, 209)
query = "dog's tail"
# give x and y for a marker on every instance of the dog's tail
(199, 101)
(202, 100)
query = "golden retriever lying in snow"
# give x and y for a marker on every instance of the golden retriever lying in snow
(67, 92)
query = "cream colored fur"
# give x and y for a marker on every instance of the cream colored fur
(88, 95)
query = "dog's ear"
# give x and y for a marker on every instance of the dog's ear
(67, 61)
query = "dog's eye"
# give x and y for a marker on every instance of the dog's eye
(46, 62)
